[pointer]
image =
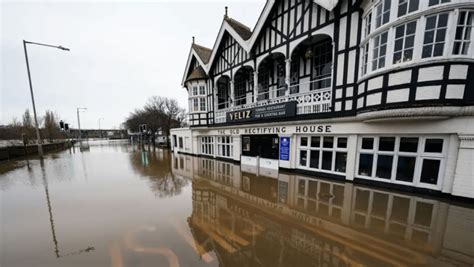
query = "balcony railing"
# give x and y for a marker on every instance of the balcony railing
(314, 101)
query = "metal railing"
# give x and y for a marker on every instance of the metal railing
(310, 102)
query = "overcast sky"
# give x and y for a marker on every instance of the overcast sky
(121, 53)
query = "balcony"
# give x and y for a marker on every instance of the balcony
(310, 102)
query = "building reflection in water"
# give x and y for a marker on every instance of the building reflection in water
(261, 217)
(155, 166)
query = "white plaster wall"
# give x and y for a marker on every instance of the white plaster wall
(463, 184)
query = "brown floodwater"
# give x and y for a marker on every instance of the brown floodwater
(115, 205)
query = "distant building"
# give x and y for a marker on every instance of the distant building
(378, 92)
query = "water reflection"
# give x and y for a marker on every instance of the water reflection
(260, 217)
(155, 166)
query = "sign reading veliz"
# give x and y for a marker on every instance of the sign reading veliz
(280, 110)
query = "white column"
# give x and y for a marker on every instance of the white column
(351, 157)
(287, 75)
(255, 86)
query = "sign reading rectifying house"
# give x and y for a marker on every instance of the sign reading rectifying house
(280, 110)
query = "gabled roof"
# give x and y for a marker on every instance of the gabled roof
(240, 28)
(241, 33)
(196, 74)
(203, 52)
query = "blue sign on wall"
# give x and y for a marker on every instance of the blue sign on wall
(285, 148)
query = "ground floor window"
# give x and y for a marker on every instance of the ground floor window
(225, 146)
(323, 153)
(406, 159)
(207, 145)
(181, 142)
(264, 146)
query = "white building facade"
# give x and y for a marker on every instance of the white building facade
(375, 92)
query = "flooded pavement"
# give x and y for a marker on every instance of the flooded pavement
(115, 205)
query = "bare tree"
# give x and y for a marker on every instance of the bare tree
(159, 113)
(27, 121)
(51, 127)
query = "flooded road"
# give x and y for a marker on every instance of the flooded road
(115, 205)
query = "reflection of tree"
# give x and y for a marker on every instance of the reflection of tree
(155, 166)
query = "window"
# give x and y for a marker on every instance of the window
(322, 65)
(365, 58)
(224, 146)
(416, 160)
(379, 51)
(202, 90)
(435, 34)
(462, 39)
(383, 13)
(181, 142)
(207, 145)
(437, 2)
(404, 42)
(323, 153)
(195, 90)
(367, 24)
(407, 6)
(196, 104)
(202, 104)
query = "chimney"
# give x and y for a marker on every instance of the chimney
(225, 14)
(193, 39)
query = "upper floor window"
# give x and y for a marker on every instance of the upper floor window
(202, 90)
(365, 58)
(407, 6)
(379, 51)
(435, 34)
(195, 90)
(462, 39)
(404, 42)
(367, 24)
(437, 2)
(383, 13)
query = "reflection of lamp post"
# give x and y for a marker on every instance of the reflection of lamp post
(38, 136)
(100, 132)
(51, 219)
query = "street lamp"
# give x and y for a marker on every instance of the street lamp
(100, 132)
(38, 136)
(79, 123)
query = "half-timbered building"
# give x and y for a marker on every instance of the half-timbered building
(370, 91)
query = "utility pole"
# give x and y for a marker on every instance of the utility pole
(38, 135)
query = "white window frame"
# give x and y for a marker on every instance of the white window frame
(407, 2)
(207, 145)
(446, 41)
(321, 149)
(376, 58)
(225, 143)
(464, 26)
(383, 13)
(404, 38)
(420, 155)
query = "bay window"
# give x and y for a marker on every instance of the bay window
(379, 51)
(383, 13)
(462, 39)
(437, 2)
(404, 42)
(435, 35)
(407, 6)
